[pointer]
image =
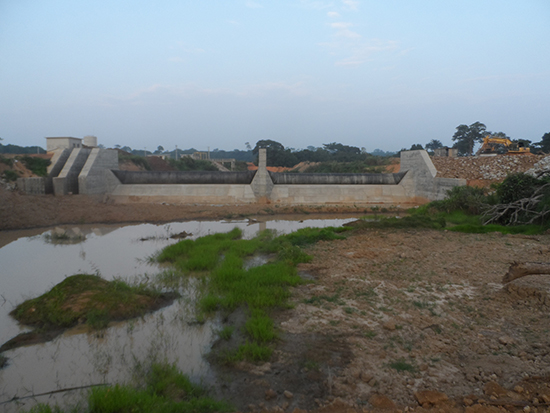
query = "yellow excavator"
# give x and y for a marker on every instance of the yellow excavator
(495, 146)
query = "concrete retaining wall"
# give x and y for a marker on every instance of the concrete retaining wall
(32, 186)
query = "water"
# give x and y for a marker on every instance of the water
(31, 265)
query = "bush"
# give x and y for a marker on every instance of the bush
(136, 160)
(38, 166)
(518, 186)
(467, 199)
(10, 175)
(189, 164)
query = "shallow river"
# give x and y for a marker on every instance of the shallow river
(32, 264)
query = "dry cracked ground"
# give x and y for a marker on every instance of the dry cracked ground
(420, 318)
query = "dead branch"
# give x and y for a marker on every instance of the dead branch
(518, 270)
(522, 211)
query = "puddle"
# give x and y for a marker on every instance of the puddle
(32, 262)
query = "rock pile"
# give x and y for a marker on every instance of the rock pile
(541, 166)
(484, 170)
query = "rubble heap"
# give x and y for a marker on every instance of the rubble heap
(484, 170)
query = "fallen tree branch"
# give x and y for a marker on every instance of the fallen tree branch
(522, 211)
(518, 270)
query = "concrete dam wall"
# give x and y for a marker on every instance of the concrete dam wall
(335, 179)
(415, 184)
(184, 178)
(96, 172)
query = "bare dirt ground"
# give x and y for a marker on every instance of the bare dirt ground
(410, 320)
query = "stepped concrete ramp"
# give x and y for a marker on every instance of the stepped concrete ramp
(67, 180)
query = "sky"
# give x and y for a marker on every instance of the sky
(213, 74)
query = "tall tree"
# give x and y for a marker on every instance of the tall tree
(277, 155)
(467, 136)
(433, 145)
(544, 144)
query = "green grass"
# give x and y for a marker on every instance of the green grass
(402, 365)
(166, 390)
(86, 297)
(226, 333)
(250, 351)
(370, 334)
(260, 327)
(409, 221)
(219, 258)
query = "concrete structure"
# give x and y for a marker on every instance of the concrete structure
(416, 183)
(32, 186)
(95, 171)
(80, 170)
(446, 152)
(62, 143)
(96, 176)
(90, 141)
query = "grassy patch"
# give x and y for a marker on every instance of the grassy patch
(90, 298)
(409, 221)
(370, 334)
(166, 390)
(226, 333)
(229, 285)
(402, 365)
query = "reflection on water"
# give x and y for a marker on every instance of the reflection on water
(30, 266)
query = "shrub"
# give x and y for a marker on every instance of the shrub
(10, 175)
(468, 199)
(37, 166)
(517, 186)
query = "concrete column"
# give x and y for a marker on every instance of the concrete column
(262, 185)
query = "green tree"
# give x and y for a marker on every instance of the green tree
(416, 147)
(277, 155)
(433, 145)
(544, 144)
(343, 153)
(467, 136)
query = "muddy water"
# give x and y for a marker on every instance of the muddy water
(32, 263)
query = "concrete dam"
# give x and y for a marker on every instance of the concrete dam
(95, 172)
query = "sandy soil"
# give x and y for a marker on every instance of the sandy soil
(396, 320)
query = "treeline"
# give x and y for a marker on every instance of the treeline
(20, 150)
(278, 155)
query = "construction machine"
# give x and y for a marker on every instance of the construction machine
(495, 146)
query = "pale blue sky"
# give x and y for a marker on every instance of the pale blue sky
(375, 74)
